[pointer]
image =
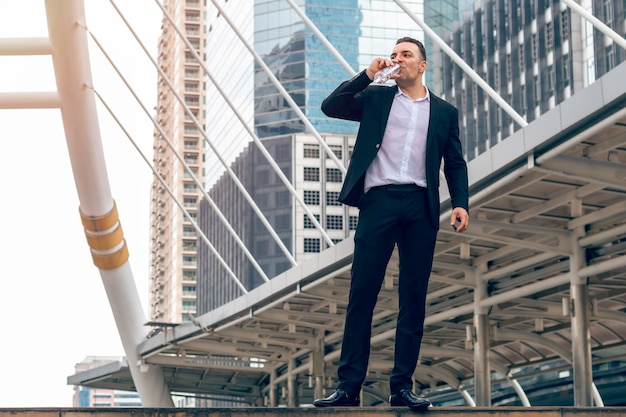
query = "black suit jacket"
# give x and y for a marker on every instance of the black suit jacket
(369, 104)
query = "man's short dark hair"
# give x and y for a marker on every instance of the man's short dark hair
(420, 46)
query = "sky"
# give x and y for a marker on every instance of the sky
(53, 307)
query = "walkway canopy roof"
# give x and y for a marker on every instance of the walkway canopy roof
(552, 189)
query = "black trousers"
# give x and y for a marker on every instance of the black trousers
(389, 215)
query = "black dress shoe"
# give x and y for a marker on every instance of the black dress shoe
(339, 398)
(407, 398)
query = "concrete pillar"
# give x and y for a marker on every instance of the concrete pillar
(318, 366)
(292, 391)
(580, 312)
(482, 345)
(317, 372)
(272, 389)
(581, 345)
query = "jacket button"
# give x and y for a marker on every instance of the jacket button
(377, 145)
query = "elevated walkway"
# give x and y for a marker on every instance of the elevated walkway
(335, 412)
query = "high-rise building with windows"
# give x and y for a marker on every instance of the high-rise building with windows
(178, 159)
(534, 53)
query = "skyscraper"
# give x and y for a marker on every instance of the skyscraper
(534, 53)
(178, 158)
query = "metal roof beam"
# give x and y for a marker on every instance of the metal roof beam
(608, 174)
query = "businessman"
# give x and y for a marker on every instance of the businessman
(404, 135)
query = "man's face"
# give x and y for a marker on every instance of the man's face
(412, 64)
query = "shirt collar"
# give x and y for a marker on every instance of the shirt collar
(427, 97)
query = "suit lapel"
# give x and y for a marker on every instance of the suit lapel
(387, 101)
(432, 122)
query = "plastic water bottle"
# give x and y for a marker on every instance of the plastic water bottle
(385, 74)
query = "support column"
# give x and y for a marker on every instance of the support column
(581, 346)
(318, 366)
(272, 388)
(292, 395)
(580, 311)
(482, 367)
(317, 372)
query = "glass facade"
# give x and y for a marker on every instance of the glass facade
(302, 64)
(359, 30)
(524, 50)
(230, 65)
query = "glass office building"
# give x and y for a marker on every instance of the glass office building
(359, 30)
(533, 53)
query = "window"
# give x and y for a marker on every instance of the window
(496, 77)
(591, 71)
(189, 275)
(261, 201)
(566, 70)
(337, 150)
(333, 175)
(312, 197)
(508, 67)
(610, 57)
(311, 245)
(565, 24)
(262, 177)
(191, 87)
(192, 100)
(283, 152)
(549, 36)
(282, 221)
(588, 32)
(311, 174)
(311, 150)
(282, 198)
(332, 198)
(334, 222)
(191, 73)
(607, 8)
(282, 267)
(261, 248)
(189, 202)
(308, 224)
(189, 306)
(189, 290)
(354, 220)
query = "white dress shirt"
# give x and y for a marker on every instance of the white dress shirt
(401, 158)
